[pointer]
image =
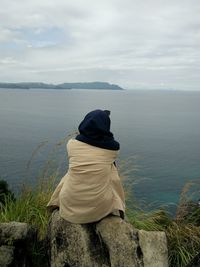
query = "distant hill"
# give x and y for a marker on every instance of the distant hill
(36, 85)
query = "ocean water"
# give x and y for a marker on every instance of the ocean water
(159, 133)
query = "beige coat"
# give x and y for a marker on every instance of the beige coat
(91, 189)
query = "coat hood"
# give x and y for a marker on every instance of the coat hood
(95, 130)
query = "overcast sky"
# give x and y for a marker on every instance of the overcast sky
(147, 44)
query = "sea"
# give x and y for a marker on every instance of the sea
(158, 131)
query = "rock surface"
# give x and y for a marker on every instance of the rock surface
(72, 244)
(16, 241)
(121, 240)
(110, 242)
(154, 248)
(6, 256)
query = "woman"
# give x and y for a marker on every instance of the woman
(91, 189)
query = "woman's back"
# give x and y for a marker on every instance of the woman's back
(91, 189)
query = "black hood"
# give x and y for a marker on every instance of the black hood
(95, 130)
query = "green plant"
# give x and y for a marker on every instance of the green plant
(30, 206)
(157, 220)
(183, 243)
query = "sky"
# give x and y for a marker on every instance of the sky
(137, 44)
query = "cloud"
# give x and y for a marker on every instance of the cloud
(134, 43)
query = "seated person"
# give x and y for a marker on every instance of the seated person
(91, 189)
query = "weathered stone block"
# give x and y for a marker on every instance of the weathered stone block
(153, 245)
(110, 242)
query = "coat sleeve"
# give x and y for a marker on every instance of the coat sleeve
(54, 200)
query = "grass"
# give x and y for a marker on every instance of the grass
(183, 232)
(184, 243)
(29, 206)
